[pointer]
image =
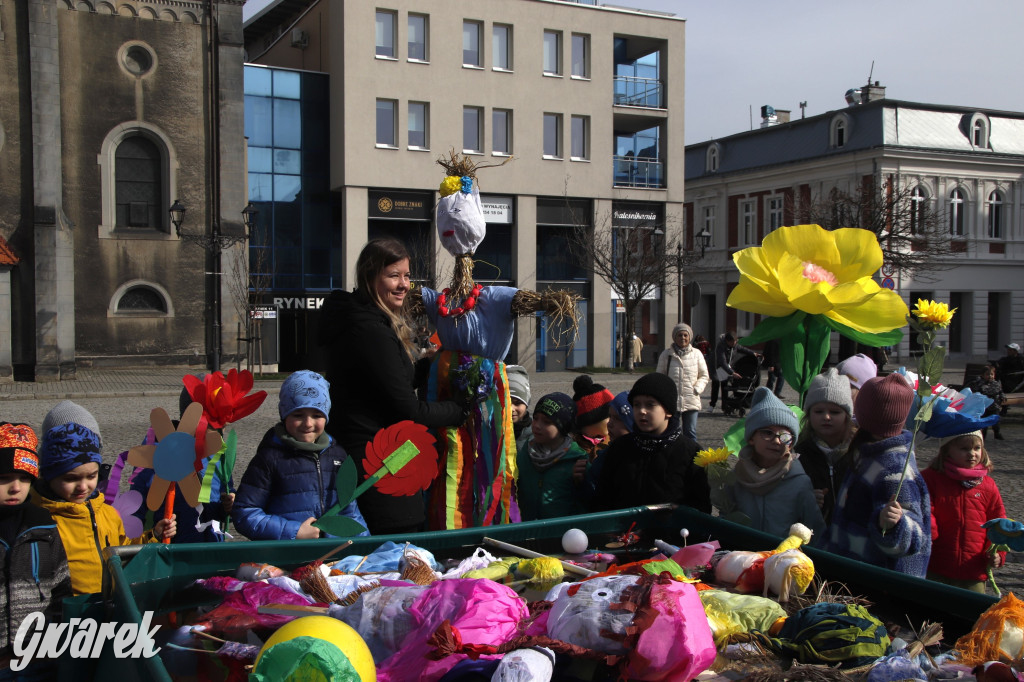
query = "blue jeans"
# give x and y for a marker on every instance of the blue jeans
(689, 420)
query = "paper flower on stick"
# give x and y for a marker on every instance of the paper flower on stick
(126, 504)
(1005, 535)
(400, 460)
(172, 459)
(224, 400)
(810, 281)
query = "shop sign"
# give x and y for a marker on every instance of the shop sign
(497, 209)
(400, 205)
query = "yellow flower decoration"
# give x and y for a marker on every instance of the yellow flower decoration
(932, 314)
(709, 456)
(819, 272)
(450, 185)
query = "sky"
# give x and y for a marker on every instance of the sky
(742, 54)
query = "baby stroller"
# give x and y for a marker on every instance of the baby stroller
(737, 393)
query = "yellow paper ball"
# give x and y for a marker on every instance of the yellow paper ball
(330, 631)
(450, 185)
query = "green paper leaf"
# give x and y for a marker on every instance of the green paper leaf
(930, 366)
(341, 526)
(925, 413)
(803, 352)
(890, 338)
(346, 481)
(400, 457)
(733, 438)
(774, 328)
(226, 467)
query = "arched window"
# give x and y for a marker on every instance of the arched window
(995, 215)
(956, 213)
(978, 131)
(138, 182)
(712, 159)
(839, 131)
(140, 298)
(918, 206)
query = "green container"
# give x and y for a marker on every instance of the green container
(154, 577)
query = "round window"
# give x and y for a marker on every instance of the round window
(137, 59)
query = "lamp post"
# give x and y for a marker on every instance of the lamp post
(213, 243)
(679, 278)
(705, 240)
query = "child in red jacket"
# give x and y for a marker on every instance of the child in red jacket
(963, 497)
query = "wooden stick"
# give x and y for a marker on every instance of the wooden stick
(520, 551)
(168, 509)
(334, 551)
(292, 610)
(207, 635)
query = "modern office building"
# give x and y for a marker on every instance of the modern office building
(348, 106)
(960, 165)
(109, 113)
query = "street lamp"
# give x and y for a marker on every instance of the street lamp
(679, 277)
(705, 240)
(213, 243)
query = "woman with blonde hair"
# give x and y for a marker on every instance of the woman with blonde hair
(371, 350)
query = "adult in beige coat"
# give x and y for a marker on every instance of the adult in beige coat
(685, 365)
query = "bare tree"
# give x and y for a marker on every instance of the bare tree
(249, 280)
(635, 261)
(914, 236)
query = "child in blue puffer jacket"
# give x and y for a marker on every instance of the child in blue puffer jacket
(290, 482)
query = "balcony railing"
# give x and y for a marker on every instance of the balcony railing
(638, 171)
(631, 91)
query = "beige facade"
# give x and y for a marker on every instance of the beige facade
(340, 39)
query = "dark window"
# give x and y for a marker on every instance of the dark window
(137, 175)
(141, 299)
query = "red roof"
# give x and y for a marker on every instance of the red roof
(7, 256)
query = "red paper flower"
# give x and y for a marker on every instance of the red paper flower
(414, 476)
(224, 400)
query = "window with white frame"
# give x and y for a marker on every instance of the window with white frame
(472, 130)
(501, 131)
(419, 121)
(552, 136)
(748, 222)
(501, 47)
(775, 214)
(552, 53)
(580, 55)
(471, 32)
(839, 131)
(918, 208)
(386, 24)
(387, 123)
(995, 215)
(140, 298)
(418, 30)
(709, 223)
(579, 147)
(956, 212)
(979, 131)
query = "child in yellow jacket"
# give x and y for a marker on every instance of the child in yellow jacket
(69, 466)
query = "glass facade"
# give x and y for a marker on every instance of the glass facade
(296, 244)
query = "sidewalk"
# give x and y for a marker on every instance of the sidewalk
(156, 381)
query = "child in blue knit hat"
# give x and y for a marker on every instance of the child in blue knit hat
(290, 482)
(771, 487)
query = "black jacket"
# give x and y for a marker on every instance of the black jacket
(372, 386)
(639, 469)
(824, 475)
(35, 574)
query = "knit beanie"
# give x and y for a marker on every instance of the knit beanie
(67, 412)
(518, 383)
(559, 408)
(18, 445)
(592, 401)
(829, 387)
(658, 386)
(682, 326)
(66, 447)
(883, 404)
(625, 411)
(949, 439)
(858, 368)
(767, 410)
(304, 389)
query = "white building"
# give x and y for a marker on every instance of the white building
(964, 164)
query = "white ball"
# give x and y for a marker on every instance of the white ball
(575, 541)
(685, 532)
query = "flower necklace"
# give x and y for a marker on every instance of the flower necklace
(466, 306)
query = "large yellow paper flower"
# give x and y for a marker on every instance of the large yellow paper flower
(819, 272)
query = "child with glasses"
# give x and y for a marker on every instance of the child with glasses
(771, 487)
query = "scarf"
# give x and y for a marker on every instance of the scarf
(649, 444)
(679, 351)
(832, 454)
(969, 478)
(545, 457)
(759, 480)
(317, 446)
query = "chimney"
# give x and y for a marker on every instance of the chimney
(782, 115)
(872, 92)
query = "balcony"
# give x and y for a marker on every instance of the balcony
(632, 91)
(638, 171)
